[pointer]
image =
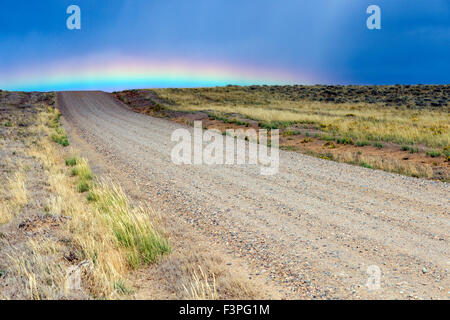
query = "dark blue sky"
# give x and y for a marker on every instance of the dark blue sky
(321, 41)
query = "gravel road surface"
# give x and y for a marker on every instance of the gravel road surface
(313, 229)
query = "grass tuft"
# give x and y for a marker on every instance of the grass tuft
(345, 141)
(70, 162)
(131, 227)
(379, 145)
(410, 149)
(434, 153)
(83, 186)
(61, 139)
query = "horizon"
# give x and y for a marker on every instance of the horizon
(233, 85)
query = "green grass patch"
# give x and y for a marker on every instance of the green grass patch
(345, 140)
(84, 173)
(362, 143)
(121, 288)
(288, 148)
(379, 145)
(447, 153)
(92, 197)
(83, 186)
(326, 137)
(61, 139)
(59, 136)
(71, 161)
(434, 153)
(292, 133)
(410, 149)
(131, 227)
(268, 126)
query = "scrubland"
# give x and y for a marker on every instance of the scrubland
(64, 233)
(402, 129)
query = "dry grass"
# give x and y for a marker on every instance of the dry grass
(361, 121)
(15, 197)
(5, 213)
(201, 287)
(133, 227)
(390, 165)
(195, 273)
(17, 190)
(114, 236)
(38, 271)
(104, 231)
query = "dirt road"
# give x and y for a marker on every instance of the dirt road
(313, 229)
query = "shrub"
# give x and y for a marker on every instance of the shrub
(326, 156)
(410, 149)
(447, 153)
(83, 186)
(379, 145)
(92, 197)
(345, 141)
(83, 170)
(326, 137)
(74, 172)
(268, 126)
(61, 139)
(434, 153)
(330, 145)
(362, 143)
(71, 162)
(292, 133)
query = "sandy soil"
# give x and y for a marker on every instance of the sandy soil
(312, 230)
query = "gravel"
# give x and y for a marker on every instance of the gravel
(314, 228)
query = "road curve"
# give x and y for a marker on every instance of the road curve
(313, 229)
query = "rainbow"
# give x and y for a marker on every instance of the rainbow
(118, 73)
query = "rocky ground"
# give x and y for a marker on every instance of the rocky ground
(315, 230)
